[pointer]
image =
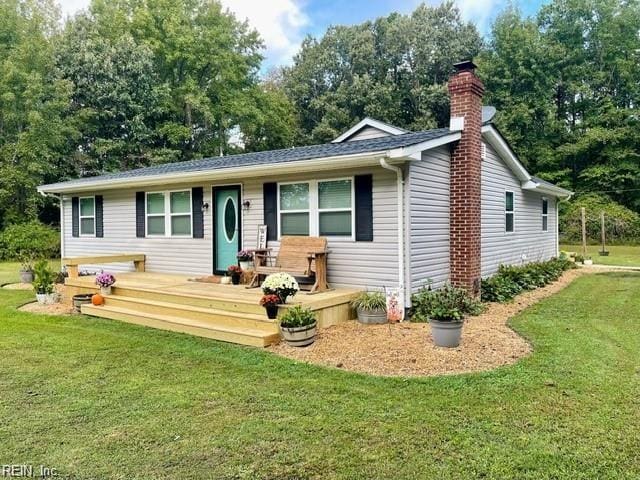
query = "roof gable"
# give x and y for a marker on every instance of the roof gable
(369, 128)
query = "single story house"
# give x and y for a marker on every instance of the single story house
(398, 208)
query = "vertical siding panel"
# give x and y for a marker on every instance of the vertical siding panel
(528, 242)
(429, 207)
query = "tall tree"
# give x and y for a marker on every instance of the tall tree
(393, 68)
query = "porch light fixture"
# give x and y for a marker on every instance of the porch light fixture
(246, 204)
(205, 206)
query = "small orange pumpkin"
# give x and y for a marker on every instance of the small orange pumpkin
(97, 299)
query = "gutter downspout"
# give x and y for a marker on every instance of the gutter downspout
(400, 214)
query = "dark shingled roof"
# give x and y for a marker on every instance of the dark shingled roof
(272, 156)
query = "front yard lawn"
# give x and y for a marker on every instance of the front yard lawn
(621, 255)
(101, 399)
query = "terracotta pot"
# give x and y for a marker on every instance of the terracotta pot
(299, 336)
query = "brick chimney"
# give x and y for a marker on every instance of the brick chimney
(465, 91)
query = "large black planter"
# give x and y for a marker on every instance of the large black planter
(235, 278)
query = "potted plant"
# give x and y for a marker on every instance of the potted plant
(105, 281)
(235, 272)
(43, 283)
(270, 303)
(445, 310)
(281, 284)
(245, 259)
(298, 326)
(587, 261)
(225, 279)
(371, 307)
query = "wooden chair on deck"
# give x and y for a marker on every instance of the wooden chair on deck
(297, 256)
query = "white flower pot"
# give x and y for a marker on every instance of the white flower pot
(51, 298)
(105, 290)
(225, 280)
(41, 298)
(248, 265)
(588, 262)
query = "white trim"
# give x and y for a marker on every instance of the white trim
(545, 216)
(418, 148)
(369, 122)
(314, 209)
(167, 214)
(512, 212)
(554, 191)
(81, 217)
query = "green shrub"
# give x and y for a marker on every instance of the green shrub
(447, 304)
(513, 279)
(43, 277)
(28, 242)
(370, 301)
(297, 317)
(621, 224)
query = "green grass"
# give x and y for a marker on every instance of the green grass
(10, 271)
(623, 255)
(101, 399)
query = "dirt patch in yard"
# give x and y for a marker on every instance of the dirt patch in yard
(18, 286)
(53, 309)
(407, 349)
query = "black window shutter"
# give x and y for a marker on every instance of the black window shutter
(197, 196)
(99, 217)
(75, 216)
(270, 193)
(140, 211)
(364, 208)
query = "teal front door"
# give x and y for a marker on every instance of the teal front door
(226, 227)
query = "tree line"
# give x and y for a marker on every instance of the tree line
(131, 83)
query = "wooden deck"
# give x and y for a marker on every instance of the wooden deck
(224, 312)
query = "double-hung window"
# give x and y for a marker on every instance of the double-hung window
(169, 214)
(509, 212)
(545, 215)
(317, 207)
(87, 216)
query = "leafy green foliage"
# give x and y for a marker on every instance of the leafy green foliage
(43, 277)
(514, 279)
(447, 304)
(29, 242)
(297, 316)
(394, 69)
(372, 301)
(622, 225)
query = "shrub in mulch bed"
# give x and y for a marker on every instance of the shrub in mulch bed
(512, 280)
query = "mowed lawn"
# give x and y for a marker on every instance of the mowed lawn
(623, 255)
(101, 399)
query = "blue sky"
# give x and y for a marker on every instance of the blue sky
(284, 23)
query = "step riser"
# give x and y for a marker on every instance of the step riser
(215, 303)
(215, 318)
(201, 332)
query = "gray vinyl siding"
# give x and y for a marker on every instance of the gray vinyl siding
(428, 253)
(359, 264)
(367, 133)
(528, 242)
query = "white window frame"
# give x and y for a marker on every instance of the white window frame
(314, 210)
(545, 216)
(81, 217)
(168, 215)
(507, 212)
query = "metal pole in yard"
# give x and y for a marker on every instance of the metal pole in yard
(602, 232)
(583, 216)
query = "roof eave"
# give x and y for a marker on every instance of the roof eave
(552, 190)
(336, 162)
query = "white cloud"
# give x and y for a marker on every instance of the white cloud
(279, 22)
(69, 7)
(479, 12)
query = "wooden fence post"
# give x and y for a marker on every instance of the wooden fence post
(584, 231)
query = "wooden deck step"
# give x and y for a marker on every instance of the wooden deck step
(216, 301)
(229, 318)
(237, 334)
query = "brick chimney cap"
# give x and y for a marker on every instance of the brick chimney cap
(464, 66)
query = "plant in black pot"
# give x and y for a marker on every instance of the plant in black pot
(445, 310)
(270, 304)
(281, 284)
(235, 272)
(43, 283)
(298, 326)
(371, 307)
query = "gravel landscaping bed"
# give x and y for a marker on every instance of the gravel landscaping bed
(406, 349)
